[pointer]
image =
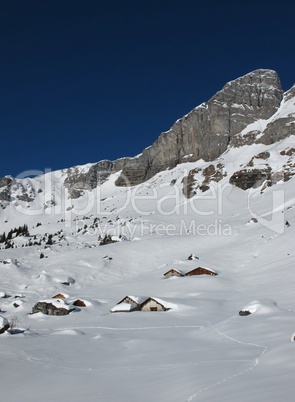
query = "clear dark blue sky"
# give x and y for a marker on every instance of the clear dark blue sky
(85, 80)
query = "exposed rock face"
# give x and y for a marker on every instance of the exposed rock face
(50, 309)
(212, 173)
(280, 128)
(263, 155)
(253, 178)
(188, 184)
(78, 181)
(21, 192)
(244, 313)
(207, 130)
(5, 195)
(209, 174)
(5, 181)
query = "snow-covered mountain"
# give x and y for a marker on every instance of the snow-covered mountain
(215, 191)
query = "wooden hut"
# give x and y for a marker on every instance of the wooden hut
(153, 304)
(128, 303)
(135, 300)
(79, 303)
(59, 296)
(173, 272)
(201, 271)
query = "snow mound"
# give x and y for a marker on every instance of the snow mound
(65, 280)
(266, 306)
(44, 278)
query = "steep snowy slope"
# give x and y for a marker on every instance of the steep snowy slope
(201, 349)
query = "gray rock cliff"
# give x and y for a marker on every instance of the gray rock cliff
(78, 181)
(280, 128)
(207, 131)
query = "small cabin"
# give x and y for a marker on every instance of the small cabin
(173, 272)
(79, 303)
(152, 304)
(201, 271)
(128, 303)
(135, 300)
(59, 296)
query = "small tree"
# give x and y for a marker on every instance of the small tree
(13, 322)
(49, 240)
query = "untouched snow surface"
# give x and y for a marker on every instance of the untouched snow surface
(199, 350)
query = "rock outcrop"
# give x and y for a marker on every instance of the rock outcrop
(53, 307)
(81, 179)
(251, 178)
(78, 181)
(282, 127)
(5, 181)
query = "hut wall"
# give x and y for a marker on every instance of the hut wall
(200, 271)
(152, 305)
(172, 273)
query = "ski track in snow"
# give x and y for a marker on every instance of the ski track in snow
(239, 373)
(132, 329)
(48, 363)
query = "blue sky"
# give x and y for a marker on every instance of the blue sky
(88, 80)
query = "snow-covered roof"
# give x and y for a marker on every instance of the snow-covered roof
(122, 307)
(207, 269)
(60, 296)
(3, 321)
(136, 299)
(164, 303)
(139, 300)
(176, 270)
(59, 303)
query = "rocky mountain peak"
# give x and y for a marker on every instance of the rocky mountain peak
(249, 110)
(208, 130)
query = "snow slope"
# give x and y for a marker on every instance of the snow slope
(199, 350)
